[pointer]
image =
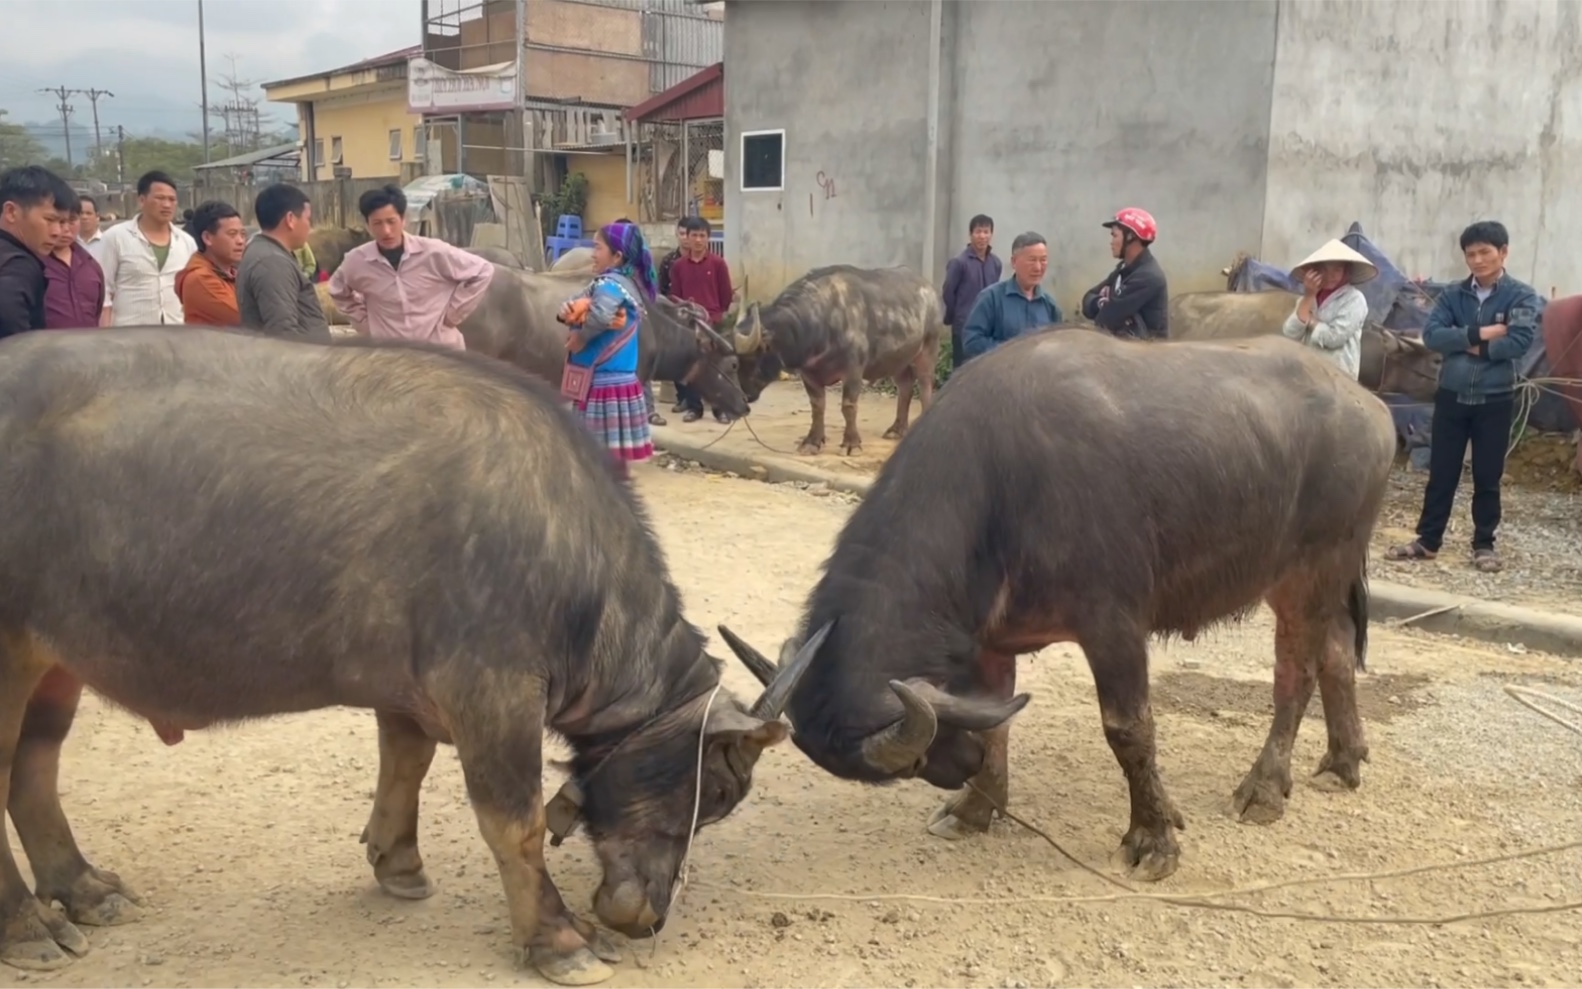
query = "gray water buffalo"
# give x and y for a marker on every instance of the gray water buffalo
(330, 244)
(845, 325)
(578, 259)
(1390, 361)
(499, 256)
(515, 322)
(1071, 487)
(206, 528)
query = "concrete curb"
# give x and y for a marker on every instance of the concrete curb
(1431, 611)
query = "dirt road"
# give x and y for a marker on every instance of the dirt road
(245, 840)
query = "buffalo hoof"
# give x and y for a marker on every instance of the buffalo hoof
(961, 817)
(1340, 769)
(1148, 855)
(809, 446)
(101, 899)
(578, 968)
(895, 432)
(407, 885)
(39, 939)
(851, 447)
(1260, 799)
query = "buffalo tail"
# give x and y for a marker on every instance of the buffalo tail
(1357, 606)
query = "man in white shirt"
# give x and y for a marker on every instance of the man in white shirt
(141, 259)
(89, 237)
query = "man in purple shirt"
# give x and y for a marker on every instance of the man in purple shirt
(73, 280)
(966, 275)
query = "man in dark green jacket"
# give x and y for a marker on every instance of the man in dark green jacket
(1006, 310)
(1483, 326)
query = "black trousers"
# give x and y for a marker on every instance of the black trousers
(1488, 428)
(957, 355)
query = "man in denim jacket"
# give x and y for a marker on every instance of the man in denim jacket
(1483, 326)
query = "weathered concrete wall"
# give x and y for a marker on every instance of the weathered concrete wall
(1423, 117)
(847, 82)
(1066, 112)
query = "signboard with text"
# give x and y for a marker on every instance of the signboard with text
(432, 88)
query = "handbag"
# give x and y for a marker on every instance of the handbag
(576, 380)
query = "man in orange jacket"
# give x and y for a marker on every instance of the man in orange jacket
(207, 285)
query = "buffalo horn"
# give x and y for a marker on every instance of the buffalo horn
(774, 698)
(899, 747)
(751, 658)
(750, 343)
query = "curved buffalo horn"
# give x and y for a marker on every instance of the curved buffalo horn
(751, 658)
(775, 695)
(750, 343)
(899, 747)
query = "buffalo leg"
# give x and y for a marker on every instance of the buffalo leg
(61, 873)
(970, 811)
(1119, 661)
(850, 392)
(405, 753)
(813, 442)
(921, 370)
(502, 760)
(33, 934)
(1337, 682)
(1299, 636)
(903, 403)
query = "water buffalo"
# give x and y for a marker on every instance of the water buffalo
(208, 528)
(330, 245)
(499, 256)
(1071, 487)
(844, 324)
(578, 259)
(515, 322)
(1391, 361)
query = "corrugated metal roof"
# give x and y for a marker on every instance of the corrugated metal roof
(698, 97)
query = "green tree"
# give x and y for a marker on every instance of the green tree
(146, 154)
(17, 146)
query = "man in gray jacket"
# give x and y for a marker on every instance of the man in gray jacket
(272, 293)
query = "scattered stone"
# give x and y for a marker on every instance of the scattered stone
(778, 919)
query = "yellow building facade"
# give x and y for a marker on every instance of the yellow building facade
(356, 118)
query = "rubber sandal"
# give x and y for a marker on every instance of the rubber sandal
(1411, 551)
(1487, 561)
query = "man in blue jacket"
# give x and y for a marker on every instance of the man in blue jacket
(966, 275)
(1006, 310)
(1483, 326)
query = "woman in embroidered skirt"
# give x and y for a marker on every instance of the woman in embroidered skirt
(604, 320)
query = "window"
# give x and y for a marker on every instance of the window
(763, 160)
(318, 155)
(335, 150)
(395, 145)
(419, 142)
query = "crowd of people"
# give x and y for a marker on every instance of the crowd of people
(60, 270)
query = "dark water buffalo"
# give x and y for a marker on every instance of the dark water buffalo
(846, 325)
(330, 245)
(213, 527)
(1390, 361)
(1070, 487)
(515, 322)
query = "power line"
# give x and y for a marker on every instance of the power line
(65, 115)
(93, 97)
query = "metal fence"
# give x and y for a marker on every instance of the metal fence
(682, 170)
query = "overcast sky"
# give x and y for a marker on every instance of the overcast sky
(146, 52)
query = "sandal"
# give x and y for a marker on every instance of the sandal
(1413, 550)
(691, 415)
(1487, 561)
(655, 419)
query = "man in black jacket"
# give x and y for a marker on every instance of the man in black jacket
(1134, 300)
(34, 204)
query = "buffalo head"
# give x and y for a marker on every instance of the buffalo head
(638, 795)
(757, 364)
(711, 366)
(921, 730)
(1399, 364)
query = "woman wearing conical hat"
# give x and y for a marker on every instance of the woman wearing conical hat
(1330, 316)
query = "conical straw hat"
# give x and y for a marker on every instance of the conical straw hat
(1362, 269)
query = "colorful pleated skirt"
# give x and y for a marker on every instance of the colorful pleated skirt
(618, 415)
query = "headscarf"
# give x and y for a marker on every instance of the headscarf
(636, 263)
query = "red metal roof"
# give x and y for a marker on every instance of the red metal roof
(698, 97)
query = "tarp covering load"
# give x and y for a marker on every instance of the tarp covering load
(1397, 302)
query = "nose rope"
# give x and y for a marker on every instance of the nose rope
(680, 881)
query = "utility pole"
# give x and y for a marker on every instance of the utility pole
(203, 72)
(120, 155)
(65, 115)
(93, 98)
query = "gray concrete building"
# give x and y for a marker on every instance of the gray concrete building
(869, 132)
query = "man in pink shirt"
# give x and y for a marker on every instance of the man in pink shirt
(404, 287)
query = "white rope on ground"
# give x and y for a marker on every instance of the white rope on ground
(1205, 900)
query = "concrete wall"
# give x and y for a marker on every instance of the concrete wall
(1423, 117)
(363, 122)
(1066, 112)
(845, 80)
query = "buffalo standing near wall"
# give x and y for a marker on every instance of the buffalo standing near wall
(845, 325)
(1070, 487)
(209, 528)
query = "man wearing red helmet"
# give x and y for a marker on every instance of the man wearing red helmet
(1134, 300)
